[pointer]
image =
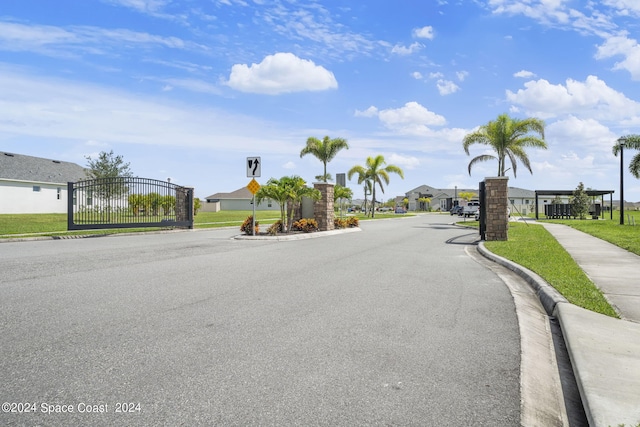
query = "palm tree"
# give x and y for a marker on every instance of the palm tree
(633, 142)
(274, 190)
(340, 192)
(324, 151)
(375, 171)
(508, 137)
(362, 179)
(288, 191)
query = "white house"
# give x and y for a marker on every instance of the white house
(34, 184)
(239, 200)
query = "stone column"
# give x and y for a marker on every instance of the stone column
(496, 204)
(323, 208)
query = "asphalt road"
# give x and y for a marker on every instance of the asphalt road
(393, 325)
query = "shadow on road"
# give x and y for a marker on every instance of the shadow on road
(465, 239)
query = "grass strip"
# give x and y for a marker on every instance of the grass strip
(533, 247)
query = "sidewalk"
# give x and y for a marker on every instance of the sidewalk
(604, 352)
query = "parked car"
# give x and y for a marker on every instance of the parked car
(400, 210)
(477, 216)
(456, 210)
(471, 209)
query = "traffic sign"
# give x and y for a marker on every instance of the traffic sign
(253, 167)
(253, 186)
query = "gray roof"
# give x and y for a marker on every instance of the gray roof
(37, 169)
(241, 193)
(514, 192)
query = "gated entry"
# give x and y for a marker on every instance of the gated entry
(128, 203)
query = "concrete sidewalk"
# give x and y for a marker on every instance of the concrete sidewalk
(604, 352)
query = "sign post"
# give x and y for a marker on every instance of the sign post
(253, 171)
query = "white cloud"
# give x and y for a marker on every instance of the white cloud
(624, 7)
(591, 98)
(404, 50)
(405, 162)
(281, 73)
(369, 112)
(437, 75)
(446, 87)
(524, 74)
(417, 75)
(621, 45)
(289, 165)
(424, 33)
(592, 134)
(462, 75)
(411, 119)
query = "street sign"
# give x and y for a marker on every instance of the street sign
(253, 186)
(253, 167)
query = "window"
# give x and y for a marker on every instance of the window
(526, 202)
(36, 188)
(89, 197)
(512, 201)
(59, 192)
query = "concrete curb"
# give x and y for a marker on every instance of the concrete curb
(301, 236)
(603, 352)
(549, 296)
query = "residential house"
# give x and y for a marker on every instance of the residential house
(239, 200)
(35, 185)
(444, 199)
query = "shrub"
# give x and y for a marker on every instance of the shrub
(305, 224)
(246, 226)
(275, 228)
(352, 221)
(339, 223)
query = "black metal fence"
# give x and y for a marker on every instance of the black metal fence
(128, 203)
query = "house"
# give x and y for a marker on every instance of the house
(444, 199)
(35, 185)
(239, 200)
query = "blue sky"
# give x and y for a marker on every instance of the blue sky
(188, 89)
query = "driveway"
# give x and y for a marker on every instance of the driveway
(393, 325)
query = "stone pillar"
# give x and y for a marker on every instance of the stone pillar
(323, 208)
(496, 205)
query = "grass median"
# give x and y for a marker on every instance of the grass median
(29, 225)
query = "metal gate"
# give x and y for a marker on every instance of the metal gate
(128, 203)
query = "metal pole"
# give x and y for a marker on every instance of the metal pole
(253, 218)
(621, 182)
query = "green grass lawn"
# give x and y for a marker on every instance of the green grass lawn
(533, 247)
(56, 224)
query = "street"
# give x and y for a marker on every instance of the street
(392, 325)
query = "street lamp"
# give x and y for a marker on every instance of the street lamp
(621, 142)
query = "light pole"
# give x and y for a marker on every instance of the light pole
(621, 142)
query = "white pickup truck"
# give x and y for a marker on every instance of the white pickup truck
(470, 209)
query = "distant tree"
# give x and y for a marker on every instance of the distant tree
(107, 165)
(467, 195)
(376, 171)
(197, 204)
(425, 203)
(508, 137)
(324, 150)
(111, 172)
(580, 202)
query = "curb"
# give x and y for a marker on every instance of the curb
(299, 236)
(548, 295)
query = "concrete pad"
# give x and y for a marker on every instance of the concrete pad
(605, 354)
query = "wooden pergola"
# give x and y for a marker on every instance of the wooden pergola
(591, 193)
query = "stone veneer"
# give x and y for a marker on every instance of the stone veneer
(496, 202)
(323, 208)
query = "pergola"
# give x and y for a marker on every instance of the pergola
(591, 193)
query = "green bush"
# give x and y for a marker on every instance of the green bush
(275, 228)
(306, 225)
(246, 226)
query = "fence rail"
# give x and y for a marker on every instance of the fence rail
(128, 203)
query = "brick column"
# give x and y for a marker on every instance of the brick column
(323, 208)
(496, 204)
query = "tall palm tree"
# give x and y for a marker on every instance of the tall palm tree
(375, 171)
(362, 179)
(508, 137)
(324, 151)
(633, 142)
